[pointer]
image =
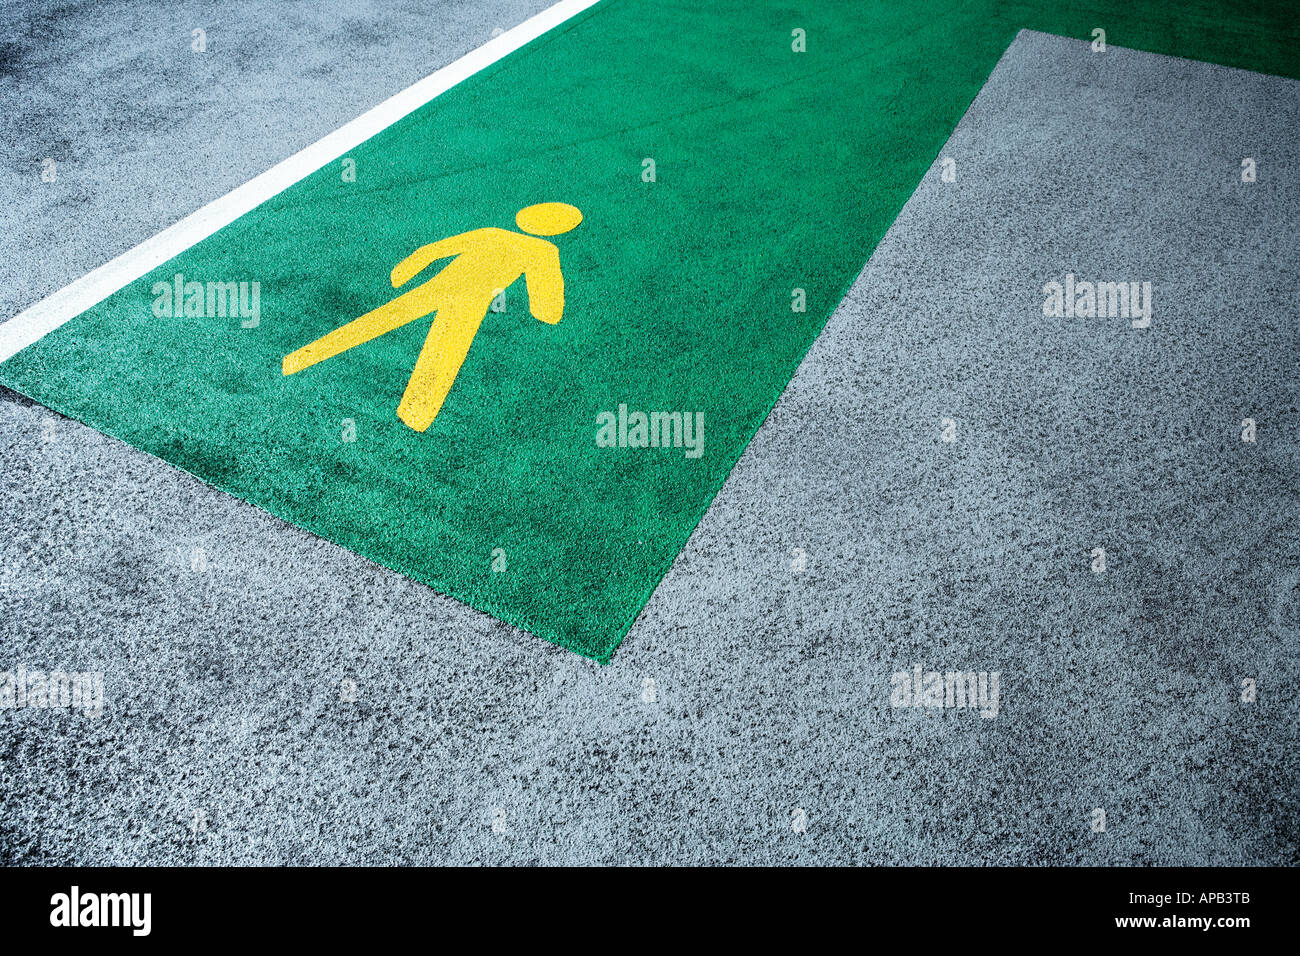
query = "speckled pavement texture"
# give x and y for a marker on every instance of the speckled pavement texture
(293, 703)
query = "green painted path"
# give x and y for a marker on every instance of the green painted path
(774, 170)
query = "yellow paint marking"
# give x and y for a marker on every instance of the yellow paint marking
(484, 261)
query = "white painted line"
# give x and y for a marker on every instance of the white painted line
(47, 315)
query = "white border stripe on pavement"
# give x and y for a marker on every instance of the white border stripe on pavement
(45, 316)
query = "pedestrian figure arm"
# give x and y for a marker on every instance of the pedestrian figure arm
(546, 287)
(417, 260)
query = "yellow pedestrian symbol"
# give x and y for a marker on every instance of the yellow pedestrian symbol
(485, 262)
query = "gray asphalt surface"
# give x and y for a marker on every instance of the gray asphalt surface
(850, 543)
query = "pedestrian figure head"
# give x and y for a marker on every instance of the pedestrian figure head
(548, 218)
